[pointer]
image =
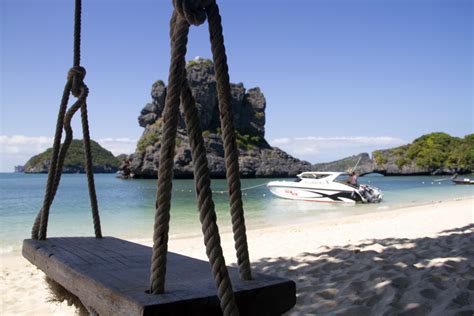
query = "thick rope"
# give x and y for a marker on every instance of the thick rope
(59, 166)
(192, 10)
(165, 169)
(185, 13)
(75, 85)
(231, 153)
(90, 171)
(54, 160)
(77, 33)
(204, 195)
(206, 204)
(62, 155)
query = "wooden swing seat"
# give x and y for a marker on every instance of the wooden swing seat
(111, 277)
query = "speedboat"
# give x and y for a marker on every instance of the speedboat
(328, 187)
(463, 181)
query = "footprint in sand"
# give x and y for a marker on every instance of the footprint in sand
(428, 293)
(328, 294)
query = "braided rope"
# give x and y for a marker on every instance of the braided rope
(178, 87)
(47, 200)
(62, 155)
(75, 85)
(77, 32)
(231, 153)
(90, 171)
(165, 169)
(206, 204)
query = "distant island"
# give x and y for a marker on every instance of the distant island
(103, 160)
(257, 157)
(19, 169)
(435, 153)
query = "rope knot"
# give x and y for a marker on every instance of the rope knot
(193, 11)
(77, 75)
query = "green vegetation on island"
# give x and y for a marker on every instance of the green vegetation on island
(431, 152)
(151, 137)
(103, 160)
(435, 153)
(247, 142)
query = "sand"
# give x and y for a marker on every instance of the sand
(410, 261)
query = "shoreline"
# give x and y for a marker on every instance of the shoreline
(376, 226)
(310, 253)
(315, 220)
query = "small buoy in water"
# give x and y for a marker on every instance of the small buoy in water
(432, 182)
(190, 190)
(439, 182)
(264, 194)
(423, 182)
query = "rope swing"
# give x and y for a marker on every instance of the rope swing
(187, 12)
(74, 85)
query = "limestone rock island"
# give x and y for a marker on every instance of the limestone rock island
(257, 157)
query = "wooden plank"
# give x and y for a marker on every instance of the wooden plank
(111, 276)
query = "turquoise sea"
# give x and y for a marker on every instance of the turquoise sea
(127, 206)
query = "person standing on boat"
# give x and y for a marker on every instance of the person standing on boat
(352, 178)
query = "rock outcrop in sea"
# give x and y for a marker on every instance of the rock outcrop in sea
(256, 157)
(19, 169)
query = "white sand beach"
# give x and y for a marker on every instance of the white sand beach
(412, 261)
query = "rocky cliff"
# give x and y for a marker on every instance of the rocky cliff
(103, 160)
(257, 157)
(435, 153)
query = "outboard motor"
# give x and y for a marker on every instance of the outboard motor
(370, 194)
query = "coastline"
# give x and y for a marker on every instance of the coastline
(393, 223)
(304, 253)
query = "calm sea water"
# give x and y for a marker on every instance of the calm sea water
(127, 206)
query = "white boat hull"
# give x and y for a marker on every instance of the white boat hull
(314, 194)
(323, 187)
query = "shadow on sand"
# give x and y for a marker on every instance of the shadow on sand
(425, 276)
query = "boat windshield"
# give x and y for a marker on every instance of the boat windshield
(343, 177)
(314, 176)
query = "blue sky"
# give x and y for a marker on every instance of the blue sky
(340, 77)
